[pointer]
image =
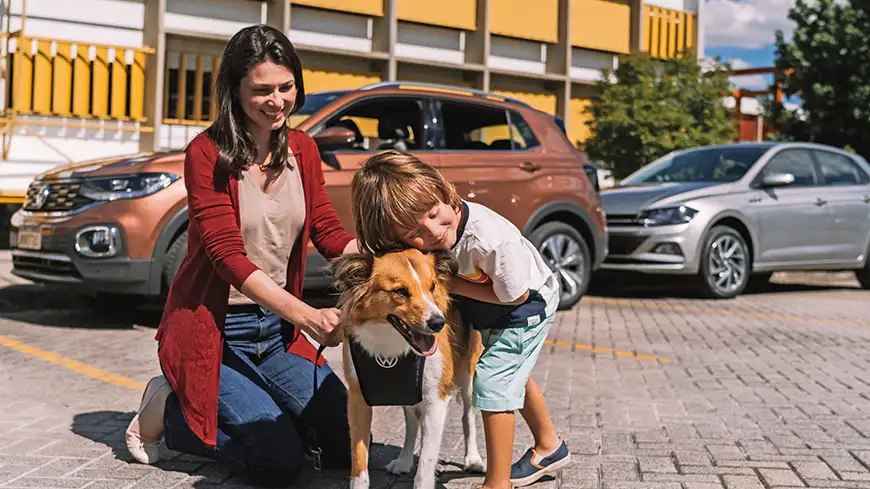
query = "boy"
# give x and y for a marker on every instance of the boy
(508, 293)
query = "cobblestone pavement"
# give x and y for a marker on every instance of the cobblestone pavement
(769, 390)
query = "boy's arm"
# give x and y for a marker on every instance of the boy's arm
(481, 292)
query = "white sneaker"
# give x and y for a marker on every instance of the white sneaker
(145, 432)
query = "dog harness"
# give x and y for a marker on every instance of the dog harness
(395, 381)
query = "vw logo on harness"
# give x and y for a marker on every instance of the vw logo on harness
(386, 362)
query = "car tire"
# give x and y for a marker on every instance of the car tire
(863, 275)
(733, 265)
(174, 256)
(567, 254)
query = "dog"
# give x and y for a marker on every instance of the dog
(397, 304)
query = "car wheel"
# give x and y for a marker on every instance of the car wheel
(725, 264)
(174, 256)
(863, 275)
(567, 254)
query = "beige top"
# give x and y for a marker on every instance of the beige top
(270, 224)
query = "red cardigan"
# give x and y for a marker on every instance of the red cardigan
(190, 334)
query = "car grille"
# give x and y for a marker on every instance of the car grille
(623, 245)
(47, 263)
(620, 220)
(62, 197)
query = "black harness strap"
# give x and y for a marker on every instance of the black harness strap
(313, 447)
(396, 381)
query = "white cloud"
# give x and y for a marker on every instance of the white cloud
(749, 24)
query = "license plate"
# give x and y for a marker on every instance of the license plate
(30, 238)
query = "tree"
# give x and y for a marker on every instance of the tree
(827, 65)
(649, 108)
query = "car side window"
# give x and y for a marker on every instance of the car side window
(383, 123)
(472, 127)
(798, 162)
(838, 170)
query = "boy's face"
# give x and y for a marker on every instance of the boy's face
(435, 229)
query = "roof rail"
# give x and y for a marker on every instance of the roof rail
(436, 87)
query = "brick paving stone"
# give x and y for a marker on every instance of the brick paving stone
(742, 482)
(766, 390)
(778, 477)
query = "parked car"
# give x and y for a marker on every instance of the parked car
(118, 226)
(736, 213)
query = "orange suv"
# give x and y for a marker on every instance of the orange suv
(117, 227)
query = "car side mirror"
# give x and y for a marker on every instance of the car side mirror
(777, 180)
(334, 138)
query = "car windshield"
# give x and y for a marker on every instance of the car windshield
(313, 103)
(721, 164)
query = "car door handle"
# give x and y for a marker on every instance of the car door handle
(529, 166)
(866, 199)
(820, 202)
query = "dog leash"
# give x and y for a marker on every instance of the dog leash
(313, 447)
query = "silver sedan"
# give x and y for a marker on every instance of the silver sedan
(738, 212)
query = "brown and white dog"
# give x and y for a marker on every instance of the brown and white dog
(392, 305)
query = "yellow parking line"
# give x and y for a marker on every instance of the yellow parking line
(607, 351)
(725, 312)
(74, 365)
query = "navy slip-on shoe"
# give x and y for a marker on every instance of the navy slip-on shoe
(531, 466)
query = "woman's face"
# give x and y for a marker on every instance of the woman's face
(268, 93)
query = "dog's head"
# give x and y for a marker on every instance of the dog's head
(405, 289)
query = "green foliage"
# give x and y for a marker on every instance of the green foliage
(829, 59)
(651, 108)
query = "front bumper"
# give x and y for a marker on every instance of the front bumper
(654, 250)
(56, 261)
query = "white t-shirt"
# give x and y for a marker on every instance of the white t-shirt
(489, 248)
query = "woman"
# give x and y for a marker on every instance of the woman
(239, 375)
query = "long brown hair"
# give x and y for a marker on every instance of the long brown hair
(248, 48)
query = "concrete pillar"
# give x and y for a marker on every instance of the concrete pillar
(389, 32)
(559, 59)
(477, 43)
(699, 32)
(278, 15)
(638, 19)
(154, 35)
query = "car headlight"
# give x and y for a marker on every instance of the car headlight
(667, 216)
(126, 186)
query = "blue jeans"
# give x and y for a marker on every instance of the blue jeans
(267, 405)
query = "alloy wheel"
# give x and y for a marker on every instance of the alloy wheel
(728, 264)
(564, 256)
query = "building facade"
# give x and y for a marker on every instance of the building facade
(89, 79)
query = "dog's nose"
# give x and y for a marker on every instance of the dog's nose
(435, 323)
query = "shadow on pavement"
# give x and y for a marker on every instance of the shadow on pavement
(641, 286)
(108, 427)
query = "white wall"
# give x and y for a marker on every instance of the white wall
(118, 22)
(684, 5)
(212, 17)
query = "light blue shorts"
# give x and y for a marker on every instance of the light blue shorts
(509, 355)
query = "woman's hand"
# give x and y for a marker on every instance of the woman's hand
(323, 325)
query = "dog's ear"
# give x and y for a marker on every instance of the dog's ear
(445, 266)
(350, 271)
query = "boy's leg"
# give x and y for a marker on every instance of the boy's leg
(498, 427)
(498, 392)
(537, 417)
(537, 462)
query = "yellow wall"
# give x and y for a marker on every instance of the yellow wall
(367, 7)
(461, 14)
(539, 100)
(668, 32)
(601, 24)
(537, 21)
(576, 124)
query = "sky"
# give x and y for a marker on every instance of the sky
(743, 32)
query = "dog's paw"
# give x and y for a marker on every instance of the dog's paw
(360, 482)
(474, 464)
(400, 466)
